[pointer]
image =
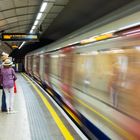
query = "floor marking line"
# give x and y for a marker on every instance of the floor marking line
(121, 130)
(56, 118)
(116, 127)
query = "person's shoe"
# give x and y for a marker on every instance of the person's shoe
(8, 111)
(13, 111)
(4, 110)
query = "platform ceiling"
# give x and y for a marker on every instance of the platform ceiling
(62, 17)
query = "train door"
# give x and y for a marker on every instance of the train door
(30, 65)
(26, 63)
(41, 67)
(34, 65)
(66, 72)
(47, 69)
(37, 66)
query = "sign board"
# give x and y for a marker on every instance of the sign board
(14, 46)
(19, 37)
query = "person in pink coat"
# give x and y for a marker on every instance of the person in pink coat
(4, 56)
(8, 78)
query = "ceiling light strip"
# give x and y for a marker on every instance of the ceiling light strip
(36, 22)
(43, 6)
(39, 15)
(22, 44)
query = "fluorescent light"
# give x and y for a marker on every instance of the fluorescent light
(33, 27)
(117, 51)
(112, 51)
(62, 55)
(55, 56)
(128, 26)
(132, 32)
(36, 22)
(31, 31)
(43, 6)
(87, 82)
(90, 53)
(109, 32)
(39, 16)
(137, 48)
(22, 45)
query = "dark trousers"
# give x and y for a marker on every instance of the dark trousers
(3, 102)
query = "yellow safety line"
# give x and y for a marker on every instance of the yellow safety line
(50, 92)
(116, 127)
(68, 111)
(122, 131)
(72, 114)
(58, 121)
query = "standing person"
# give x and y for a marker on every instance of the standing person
(2, 94)
(8, 78)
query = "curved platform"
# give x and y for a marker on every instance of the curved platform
(37, 117)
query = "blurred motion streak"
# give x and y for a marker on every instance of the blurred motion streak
(99, 80)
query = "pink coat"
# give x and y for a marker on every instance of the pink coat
(8, 77)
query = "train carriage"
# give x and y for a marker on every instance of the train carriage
(104, 72)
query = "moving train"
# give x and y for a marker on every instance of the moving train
(97, 79)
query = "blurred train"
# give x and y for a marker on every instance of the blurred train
(98, 79)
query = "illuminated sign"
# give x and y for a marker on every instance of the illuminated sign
(14, 46)
(19, 37)
(96, 38)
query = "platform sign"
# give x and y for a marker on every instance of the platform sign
(19, 37)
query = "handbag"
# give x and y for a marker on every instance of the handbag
(15, 87)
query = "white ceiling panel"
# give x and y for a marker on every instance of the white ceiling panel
(51, 15)
(31, 17)
(6, 4)
(49, 6)
(21, 11)
(48, 20)
(1, 15)
(22, 28)
(9, 13)
(46, 25)
(30, 20)
(4, 27)
(10, 20)
(11, 31)
(61, 2)
(13, 25)
(22, 17)
(34, 2)
(24, 22)
(3, 22)
(19, 3)
(56, 9)
(21, 31)
(33, 9)
(14, 29)
(51, 0)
